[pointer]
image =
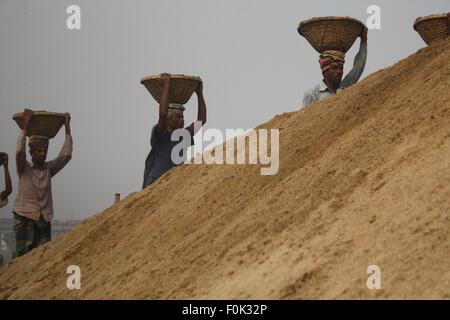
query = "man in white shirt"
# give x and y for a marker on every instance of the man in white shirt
(33, 207)
(332, 65)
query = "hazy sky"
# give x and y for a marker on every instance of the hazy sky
(253, 63)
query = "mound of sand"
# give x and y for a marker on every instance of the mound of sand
(364, 179)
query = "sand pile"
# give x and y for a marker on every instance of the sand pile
(364, 179)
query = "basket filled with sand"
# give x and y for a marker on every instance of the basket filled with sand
(42, 123)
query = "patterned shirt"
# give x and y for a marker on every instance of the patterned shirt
(321, 90)
(34, 194)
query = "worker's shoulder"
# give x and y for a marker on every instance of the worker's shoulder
(311, 94)
(313, 90)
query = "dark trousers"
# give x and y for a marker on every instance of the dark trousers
(30, 234)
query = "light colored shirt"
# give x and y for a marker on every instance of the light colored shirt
(3, 202)
(321, 90)
(34, 194)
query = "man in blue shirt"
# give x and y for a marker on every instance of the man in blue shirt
(159, 160)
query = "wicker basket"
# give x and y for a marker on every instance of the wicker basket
(431, 28)
(181, 87)
(331, 33)
(42, 123)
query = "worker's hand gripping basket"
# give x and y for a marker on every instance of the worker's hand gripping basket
(181, 87)
(335, 34)
(42, 123)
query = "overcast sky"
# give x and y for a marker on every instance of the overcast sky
(253, 63)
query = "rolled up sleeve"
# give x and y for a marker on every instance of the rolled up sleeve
(358, 67)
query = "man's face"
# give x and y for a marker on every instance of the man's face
(39, 154)
(176, 121)
(334, 75)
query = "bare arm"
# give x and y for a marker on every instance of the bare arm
(164, 103)
(21, 157)
(8, 187)
(201, 114)
(67, 124)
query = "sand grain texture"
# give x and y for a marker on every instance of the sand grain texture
(364, 179)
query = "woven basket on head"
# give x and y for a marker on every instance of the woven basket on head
(42, 123)
(433, 27)
(181, 87)
(331, 33)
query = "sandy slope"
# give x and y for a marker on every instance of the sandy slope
(364, 179)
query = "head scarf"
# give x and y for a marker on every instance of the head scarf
(36, 141)
(174, 109)
(331, 58)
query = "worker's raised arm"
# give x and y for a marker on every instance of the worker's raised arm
(65, 154)
(21, 156)
(8, 187)
(358, 63)
(164, 103)
(201, 113)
